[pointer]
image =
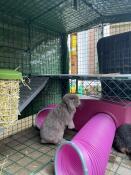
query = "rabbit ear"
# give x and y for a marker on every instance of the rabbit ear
(70, 106)
(68, 97)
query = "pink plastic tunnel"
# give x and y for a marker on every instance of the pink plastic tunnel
(88, 152)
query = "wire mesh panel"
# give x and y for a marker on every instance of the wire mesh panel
(46, 58)
(45, 52)
(33, 37)
(68, 15)
(114, 55)
(109, 55)
(14, 44)
(51, 94)
(36, 51)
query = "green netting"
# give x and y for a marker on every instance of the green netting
(35, 50)
(45, 52)
(14, 44)
(67, 15)
(50, 95)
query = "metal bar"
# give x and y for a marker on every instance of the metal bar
(29, 44)
(75, 4)
(76, 86)
(15, 48)
(91, 76)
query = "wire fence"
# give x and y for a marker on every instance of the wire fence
(102, 50)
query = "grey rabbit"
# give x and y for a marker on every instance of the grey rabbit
(58, 119)
(122, 140)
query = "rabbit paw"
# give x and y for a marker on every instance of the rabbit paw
(71, 125)
(62, 141)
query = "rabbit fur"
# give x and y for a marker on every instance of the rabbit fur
(122, 140)
(58, 119)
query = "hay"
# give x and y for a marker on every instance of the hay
(9, 101)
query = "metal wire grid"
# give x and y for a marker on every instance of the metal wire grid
(110, 6)
(116, 91)
(45, 52)
(24, 154)
(84, 14)
(36, 51)
(29, 44)
(69, 15)
(19, 126)
(26, 46)
(62, 10)
(51, 94)
(117, 28)
(27, 9)
(13, 44)
(86, 51)
(117, 61)
(20, 44)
